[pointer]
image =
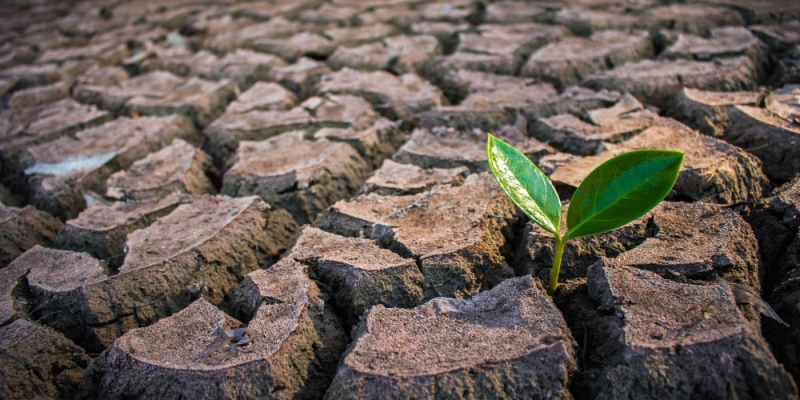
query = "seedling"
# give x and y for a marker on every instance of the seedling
(619, 191)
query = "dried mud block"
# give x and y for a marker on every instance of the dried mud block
(785, 340)
(510, 341)
(400, 15)
(450, 11)
(708, 111)
(289, 348)
(34, 125)
(398, 54)
(331, 14)
(295, 174)
(457, 234)
(301, 77)
(201, 248)
(697, 19)
(785, 103)
(762, 11)
(508, 12)
(305, 44)
(445, 32)
(14, 290)
(224, 134)
(102, 76)
(781, 39)
(401, 179)
(32, 75)
(60, 172)
(713, 171)
(396, 97)
(534, 255)
(356, 36)
(724, 42)
(657, 82)
(106, 53)
(713, 353)
(101, 230)
(177, 168)
(359, 273)
(586, 21)
(615, 124)
(162, 93)
(374, 144)
(244, 37)
(263, 96)
(569, 61)
(769, 137)
(37, 362)
(501, 49)
(449, 148)
(241, 66)
(38, 95)
(23, 228)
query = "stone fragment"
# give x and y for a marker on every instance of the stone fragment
(708, 111)
(395, 97)
(657, 82)
(457, 234)
(569, 61)
(23, 228)
(767, 136)
(305, 44)
(684, 329)
(102, 230)
(696, 19)
(401, 179)
(361, 274)
(263, 96)
(59, 173)
(34, 125)
(224, 134)
(712, 171)
(37, 362)
(615, 124)
(39, 95)
(374, 143)
(177, 168)
(289, 347)
(301, 77)
(495, 345)
(162, 93)
(200, 249)
(292, 173)
(449, 148)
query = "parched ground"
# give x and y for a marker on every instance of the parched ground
(290, 199)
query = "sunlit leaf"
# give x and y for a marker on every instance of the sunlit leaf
(525, 184)
(621, 190)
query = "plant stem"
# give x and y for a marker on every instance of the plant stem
(560, 242)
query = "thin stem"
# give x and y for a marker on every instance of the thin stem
(560, 242)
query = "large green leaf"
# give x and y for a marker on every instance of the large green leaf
(525, 184)
(622, 189)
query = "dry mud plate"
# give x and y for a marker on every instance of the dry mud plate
(290, 199)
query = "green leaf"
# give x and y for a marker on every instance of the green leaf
(622, 189)
(525, 184)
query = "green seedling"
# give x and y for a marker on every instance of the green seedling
(617, 192)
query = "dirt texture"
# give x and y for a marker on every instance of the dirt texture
(708, 111)
(486, 347)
